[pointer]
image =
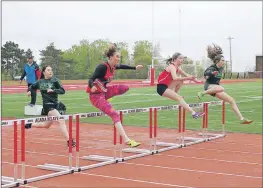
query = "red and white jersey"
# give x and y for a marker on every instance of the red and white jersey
(166, 77)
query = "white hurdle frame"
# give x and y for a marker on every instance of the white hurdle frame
(9, 182)
(106, 160)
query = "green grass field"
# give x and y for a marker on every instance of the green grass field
(247, 95)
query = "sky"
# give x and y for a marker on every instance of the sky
(186, 27)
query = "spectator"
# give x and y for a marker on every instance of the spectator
(32, 73)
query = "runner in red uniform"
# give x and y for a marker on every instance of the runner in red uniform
(169, 83)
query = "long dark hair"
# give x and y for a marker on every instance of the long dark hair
(214, 53)
(43, 70)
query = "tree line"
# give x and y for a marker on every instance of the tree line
(79, 61)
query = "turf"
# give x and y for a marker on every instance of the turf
(247, 95)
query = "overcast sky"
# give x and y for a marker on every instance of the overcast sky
(35, 24)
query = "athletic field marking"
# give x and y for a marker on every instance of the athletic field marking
(209, 159)
(249, 111)
(119, 178)
(190, 170)
(29, 186)
(258, 97)
(96, 148)
(139, 101)
(194, 87)
(188, 94)
(135, 180)
(109, 141)
(219, 122)
(87, 133)
(163, 167)
(233, 123)
(219, 129)
(231, 142)
(34, 152)
(5, 133)
(253, 97)
(221, 150)
(89, 105)
(157, 98)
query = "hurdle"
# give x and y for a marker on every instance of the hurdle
(59, 169)
(15, 181)
(153, 136)
(193, 140)
(181, 131)
(110, 160)
(104, 160)
(152, 139)
(210, 136)
(69, 168)
(8, 181)
(167, 145)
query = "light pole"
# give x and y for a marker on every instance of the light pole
(12, 64)
(230, 52)
(179, 26)
(152, 68)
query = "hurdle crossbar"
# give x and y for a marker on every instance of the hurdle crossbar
(98, 114)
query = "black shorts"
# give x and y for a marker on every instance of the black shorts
(48, 107)
(206, 86)
(161, 88)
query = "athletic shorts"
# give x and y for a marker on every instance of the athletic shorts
(48, 107)
(206, 86)
(161, 88)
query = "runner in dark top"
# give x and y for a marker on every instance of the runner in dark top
(99, 91)
(50, 87)
(213, 75)
(101, 71)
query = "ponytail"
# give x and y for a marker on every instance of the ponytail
(111, 50)
(168, 61)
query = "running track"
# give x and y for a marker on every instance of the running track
(233, 161)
